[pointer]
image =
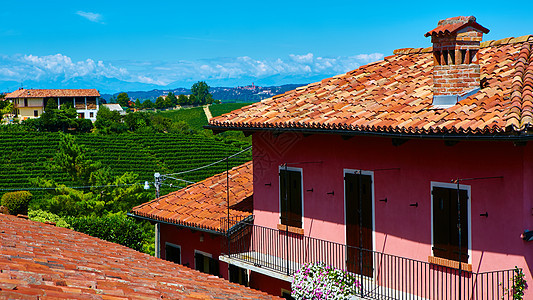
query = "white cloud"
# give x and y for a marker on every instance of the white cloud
(61, 68)
(93, 17)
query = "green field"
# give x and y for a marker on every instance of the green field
(220, 109)
(26, 154)
(195, 116)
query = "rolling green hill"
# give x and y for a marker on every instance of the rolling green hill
(195, 116)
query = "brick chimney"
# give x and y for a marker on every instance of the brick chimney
(456, 73)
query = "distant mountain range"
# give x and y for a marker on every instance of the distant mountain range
(250, 93)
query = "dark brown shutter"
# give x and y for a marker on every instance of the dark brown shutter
(441, 222)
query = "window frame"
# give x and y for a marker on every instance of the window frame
(210, 256)
(453, 186)
(175, 246)
(294, 169)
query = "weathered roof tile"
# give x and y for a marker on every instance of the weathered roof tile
(39, 261)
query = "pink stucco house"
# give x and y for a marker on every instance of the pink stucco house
(415, 172)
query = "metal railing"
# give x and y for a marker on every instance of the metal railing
(381, 275)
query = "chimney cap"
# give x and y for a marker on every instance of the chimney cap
(452, 25)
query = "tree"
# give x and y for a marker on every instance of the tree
(159, 102)
(138, 104)
(123, 99)
(183, 100)
(148, 104)
(71, 159)
(6, 107)
(136, 121)
(106, 193)
(107, 120)
(54, 119)
(172, 99)
(200, 90)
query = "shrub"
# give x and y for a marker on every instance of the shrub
(16, 202)
(116, 228)
(44, 216)
(318, 281)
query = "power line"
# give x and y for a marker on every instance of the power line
(209, 165)
(69, 187)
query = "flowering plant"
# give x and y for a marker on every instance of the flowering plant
(318, 281)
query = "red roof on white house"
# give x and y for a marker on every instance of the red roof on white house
(53, 93)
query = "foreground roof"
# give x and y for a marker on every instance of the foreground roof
(43, 93)
(203, 204)
(39, 260)
(394, 96)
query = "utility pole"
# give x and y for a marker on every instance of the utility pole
(157, 184)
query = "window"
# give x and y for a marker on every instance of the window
(445, 219)
(91, 114)
(25, 102)
(238, 275)
(290, 180)
(286, 294)
(204, 262)
(35, 113)
(173, 253)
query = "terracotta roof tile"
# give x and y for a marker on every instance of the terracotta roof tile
(44, 261)
(203, 204)
(452, 25)
(395, 95)
(42, 93)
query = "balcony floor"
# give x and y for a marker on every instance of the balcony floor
(274, 266)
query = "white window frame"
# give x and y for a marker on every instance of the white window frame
(449, 185)
(282, 168)
(173, 245)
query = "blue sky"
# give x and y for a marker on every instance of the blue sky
(140, 45)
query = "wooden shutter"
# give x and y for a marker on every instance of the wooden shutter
(295, 206)
(454, 233)
(213, 266)
(445, 217)
(199, 262)
(441, 223)
(291, 198)
(284, 196)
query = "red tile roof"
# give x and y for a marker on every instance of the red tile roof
(203, 204)
(39, 261)
(452, 25)
(41, 93)
(394, 96)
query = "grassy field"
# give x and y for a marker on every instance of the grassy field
(194, 116)
(220, 109)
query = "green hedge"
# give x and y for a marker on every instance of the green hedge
(16, 202)
(44, 216)
(114, 228)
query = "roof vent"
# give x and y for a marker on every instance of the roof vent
(456, 72)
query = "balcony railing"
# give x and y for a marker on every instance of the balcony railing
(382, 276)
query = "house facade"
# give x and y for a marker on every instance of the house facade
(30, 103)
(413, 173)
